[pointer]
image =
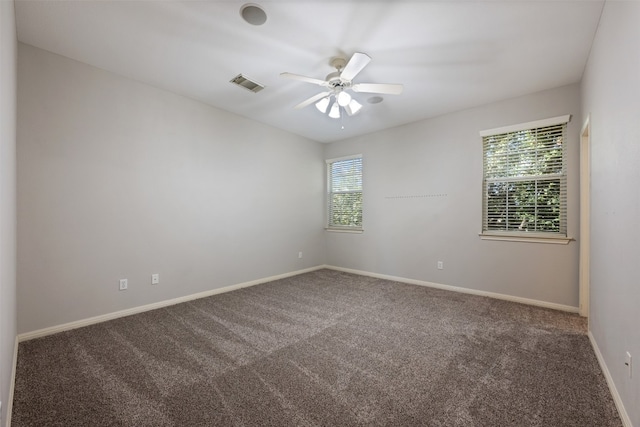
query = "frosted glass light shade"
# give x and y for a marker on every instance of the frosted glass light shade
(335, 111)
(353, 107)
(322, 105)
(343, 99)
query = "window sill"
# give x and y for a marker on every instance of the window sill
(529, 238)
(345, 230)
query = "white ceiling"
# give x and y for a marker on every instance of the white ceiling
(450, 55)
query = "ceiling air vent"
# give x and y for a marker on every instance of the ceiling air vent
(247, 83)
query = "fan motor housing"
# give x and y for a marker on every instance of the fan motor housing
(334, 79)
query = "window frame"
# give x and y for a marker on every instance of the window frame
(329, 192)
(560, 237)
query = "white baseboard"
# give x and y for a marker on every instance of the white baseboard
(521, 300)
(626, 421)
(9, 407)
(140, 309)
(123, 313)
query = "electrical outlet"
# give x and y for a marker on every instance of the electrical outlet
(440, 265)
(629, 365)
(299, 255)
(155, 279)
(124, 284)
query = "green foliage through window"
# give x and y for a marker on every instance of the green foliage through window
(525, 181)
(345, 193)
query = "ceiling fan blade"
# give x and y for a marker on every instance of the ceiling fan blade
(356, 64)
(311, 100)
(386, 88)
(304, 79)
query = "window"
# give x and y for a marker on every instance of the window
(344, 193)
(525, 179)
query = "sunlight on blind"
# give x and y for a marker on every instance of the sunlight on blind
(345, 193)
(525, 181)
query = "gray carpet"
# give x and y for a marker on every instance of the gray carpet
(320, 349)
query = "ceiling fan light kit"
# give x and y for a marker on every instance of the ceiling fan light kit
(344, 99)
(353, 108)
(338, 82)
(322, 105)
(335, 111)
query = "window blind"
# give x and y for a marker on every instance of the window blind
(525, 181)
(345, 193)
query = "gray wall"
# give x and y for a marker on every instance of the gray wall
(441, 159)
(8, 51)
(611, 95)
(117, 179)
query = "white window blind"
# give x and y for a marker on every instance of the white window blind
(525, 180)
(344, 188)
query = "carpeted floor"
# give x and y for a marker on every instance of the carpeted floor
(320, 349)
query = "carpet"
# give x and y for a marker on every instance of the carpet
(324, 348)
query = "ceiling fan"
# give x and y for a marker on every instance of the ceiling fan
(336, 97)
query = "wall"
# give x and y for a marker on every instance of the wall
(117, 179)
(611, 96)
(422, 203)
(8, 51)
